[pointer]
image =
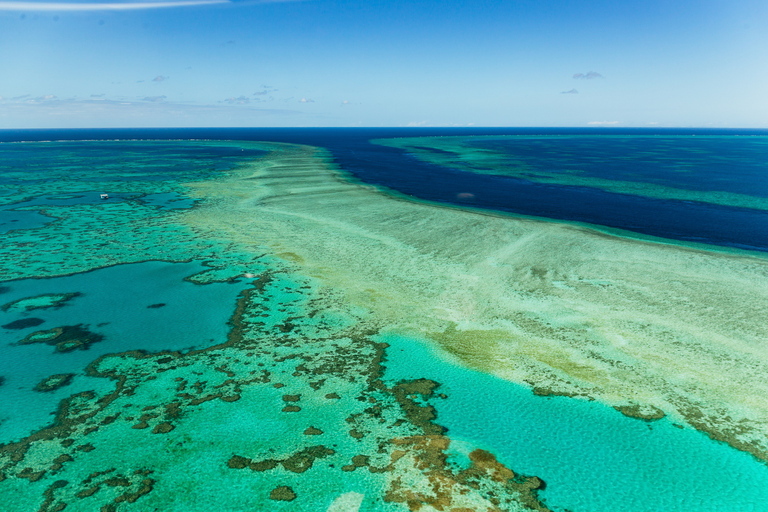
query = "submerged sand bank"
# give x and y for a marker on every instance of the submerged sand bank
(563, 308)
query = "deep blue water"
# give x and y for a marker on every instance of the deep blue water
(673, 219)
(728, 164)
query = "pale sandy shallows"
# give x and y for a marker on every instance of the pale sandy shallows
(562, 308)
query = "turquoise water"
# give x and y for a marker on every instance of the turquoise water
(113, 302)
(145, 280)
(591, 456)
(168, 201)
(23, 214)
(22, 219)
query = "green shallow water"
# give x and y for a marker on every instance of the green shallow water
(233, 343)
(591, 456)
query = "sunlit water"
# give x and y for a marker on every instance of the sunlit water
(138, 279)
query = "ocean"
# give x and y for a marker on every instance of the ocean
(383, 319)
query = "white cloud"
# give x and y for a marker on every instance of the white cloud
(120, 6)
(306, 100)
(106, 6)
(602, 123)
(572, 91)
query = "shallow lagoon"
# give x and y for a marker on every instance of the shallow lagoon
(140, 307)
(591, 456)
(305, 272)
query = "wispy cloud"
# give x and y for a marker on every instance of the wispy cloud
(160, 78)
(306, 100)
(240, 100)
(92, 112)
(122, 6)
(265, 89)
(155, 98)
(590, 75)
(572, 91)
(29, 100)
(602, 123)
(106, 6)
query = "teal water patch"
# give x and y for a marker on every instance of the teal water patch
(85, 169)
(144, 306)
(11, 220)
(25, 215)
(168, 201)
(591, 457)
(75, 198)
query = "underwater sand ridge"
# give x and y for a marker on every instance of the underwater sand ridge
(568, 310)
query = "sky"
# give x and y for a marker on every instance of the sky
(210, 63)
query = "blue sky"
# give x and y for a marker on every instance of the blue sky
(148, 63)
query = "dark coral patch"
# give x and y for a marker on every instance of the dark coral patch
(23, 323)
(65, 339)
(358, 461)
(155, 306)
(162, 428)
(238, 462)
(299, 462)
(54, 382)
(645, 413)
(282, 493)
(54, 301)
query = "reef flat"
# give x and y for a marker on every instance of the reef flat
(566, 309)
(320, 395)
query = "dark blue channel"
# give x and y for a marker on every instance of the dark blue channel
(393, 168)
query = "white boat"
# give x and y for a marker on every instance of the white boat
(104, 196)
